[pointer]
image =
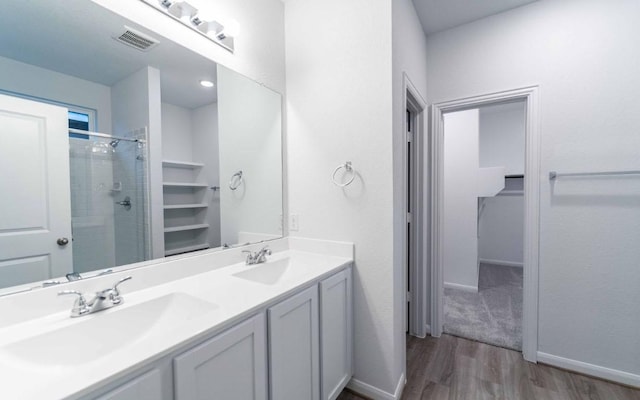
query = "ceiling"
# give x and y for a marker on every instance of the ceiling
(74, 37)
(439, 15)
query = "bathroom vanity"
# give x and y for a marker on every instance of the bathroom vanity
(220, 329)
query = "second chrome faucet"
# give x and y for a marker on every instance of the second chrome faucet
(258, 257)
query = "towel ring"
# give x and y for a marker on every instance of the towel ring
(235, 181)
(348, 168)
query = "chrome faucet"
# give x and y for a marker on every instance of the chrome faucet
(101, 300)
(258, 257)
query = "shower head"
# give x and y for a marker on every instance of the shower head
(114, 143)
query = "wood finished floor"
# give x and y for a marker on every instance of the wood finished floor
(452, 368)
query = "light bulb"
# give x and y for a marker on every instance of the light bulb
(206, 83)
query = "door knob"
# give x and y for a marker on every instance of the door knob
(62, 241)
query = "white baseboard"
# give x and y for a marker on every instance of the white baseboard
(466, 288)
(502, 262)
(374, 393)
(597, 371)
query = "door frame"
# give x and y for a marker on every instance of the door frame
(532, 178)
(417, 299)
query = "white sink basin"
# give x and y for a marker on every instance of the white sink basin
(96, 335)
(268, 273)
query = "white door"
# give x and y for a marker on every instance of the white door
(35, 208)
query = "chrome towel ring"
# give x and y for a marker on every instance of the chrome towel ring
(348, 169)
(236, 180)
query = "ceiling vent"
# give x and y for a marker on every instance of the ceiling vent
(136, 39)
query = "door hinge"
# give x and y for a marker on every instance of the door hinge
(408, 297)
(409, 218)
(409, 136)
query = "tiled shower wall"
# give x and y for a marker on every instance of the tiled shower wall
(92, 204)
(105, 234)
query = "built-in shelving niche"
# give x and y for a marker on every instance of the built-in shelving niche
(185, 208)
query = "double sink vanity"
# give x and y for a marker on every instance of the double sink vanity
(210, 325)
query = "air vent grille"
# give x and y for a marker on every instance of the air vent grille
(136, 39)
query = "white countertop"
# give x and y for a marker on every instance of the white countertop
(215, 299)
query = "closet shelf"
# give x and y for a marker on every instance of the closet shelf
(186, 228)
(181, 164)
(185, 184)
(184, 206)
(186, 249)
(511, 193)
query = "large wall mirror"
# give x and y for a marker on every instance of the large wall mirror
(118, 146)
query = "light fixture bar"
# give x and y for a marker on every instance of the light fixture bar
(187, 15)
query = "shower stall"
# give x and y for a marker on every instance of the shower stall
(109, 199)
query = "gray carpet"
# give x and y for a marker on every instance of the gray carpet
(494, 314)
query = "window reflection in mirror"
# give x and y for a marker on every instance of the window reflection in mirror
(116, 156)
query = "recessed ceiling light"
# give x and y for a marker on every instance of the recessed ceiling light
(207, 84)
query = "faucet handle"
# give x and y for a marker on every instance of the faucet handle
(80, 301)
(115, 290)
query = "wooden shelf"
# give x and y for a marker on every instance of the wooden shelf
(181, 164)
(186, 228)
(186, 249)
(185, 184)
(185, 206)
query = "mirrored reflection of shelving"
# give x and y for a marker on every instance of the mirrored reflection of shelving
(185, 207)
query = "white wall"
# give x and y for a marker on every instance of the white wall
(584, 55)
(501, 230)
(135, 105)
(501, 222)
(249, 139)
(177, 133)
(409, 58)
(502, 134)
(27, 79)
(460, 237)
(339, 102)
(206, 150)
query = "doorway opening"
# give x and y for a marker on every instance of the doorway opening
(484, 151)
(484, 182)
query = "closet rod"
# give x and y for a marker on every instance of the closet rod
(553, 174)
(514, 176)
(105, 135)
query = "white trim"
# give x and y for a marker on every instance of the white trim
(415, 103)
(531, 200)
(373, 392)
(597, 371)
(502, 262)
(457, 286)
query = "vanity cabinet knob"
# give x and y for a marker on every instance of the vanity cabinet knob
(63, 241)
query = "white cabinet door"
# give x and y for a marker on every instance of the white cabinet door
(232, 365)
(35, 200)
(145, 387)
(294, 348)
(336, 333)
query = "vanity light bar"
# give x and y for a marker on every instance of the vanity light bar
(191, 17)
